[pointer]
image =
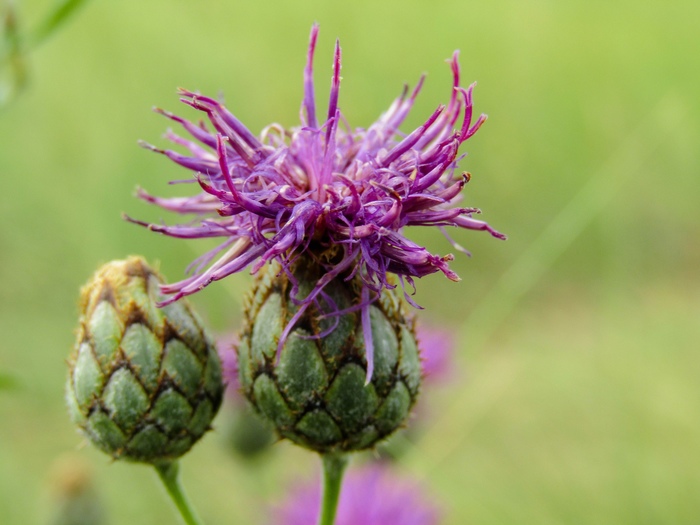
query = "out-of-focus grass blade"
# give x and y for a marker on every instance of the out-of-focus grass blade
(61, 11)
(15, 44)
(13, 71)
(659, 125)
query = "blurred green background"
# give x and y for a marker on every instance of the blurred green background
(578, 400)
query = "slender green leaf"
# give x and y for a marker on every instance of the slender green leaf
(62, 11)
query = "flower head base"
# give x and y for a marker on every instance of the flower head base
(339, 196)
(319, 393)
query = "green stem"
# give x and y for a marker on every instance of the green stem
(333, 468)
(168, 473)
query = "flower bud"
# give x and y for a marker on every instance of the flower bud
(249, 435)
(145, 382)
(317, 393)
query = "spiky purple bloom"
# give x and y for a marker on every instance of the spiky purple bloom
(371, 495)
(338, 195)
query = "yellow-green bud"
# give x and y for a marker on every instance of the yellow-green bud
(145, 382)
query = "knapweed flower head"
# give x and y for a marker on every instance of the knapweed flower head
(371, 495)
(323, 191)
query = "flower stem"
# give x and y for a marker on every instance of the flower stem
(333, 468)
(168, 473)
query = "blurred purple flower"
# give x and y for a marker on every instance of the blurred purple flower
(371, 495)
(437, 345)
(323, 190)
(226, 345)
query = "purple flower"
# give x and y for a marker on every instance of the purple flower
(323, 190)
(371, 495)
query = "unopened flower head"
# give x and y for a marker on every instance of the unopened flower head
(323, 190)
(144, 382)
(371, 495)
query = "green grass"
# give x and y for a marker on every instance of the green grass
(578, 413)
(578, 335)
